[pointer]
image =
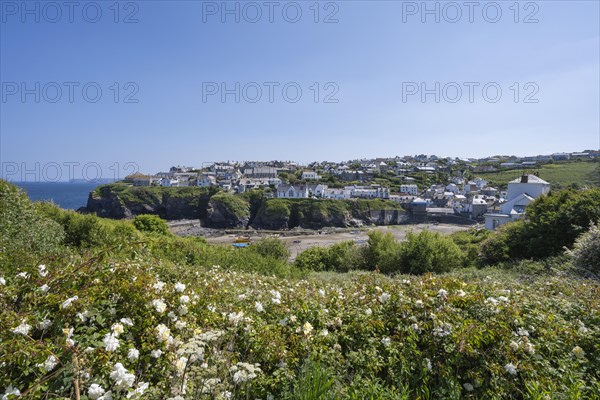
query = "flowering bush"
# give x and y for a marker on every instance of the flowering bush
(586, 251)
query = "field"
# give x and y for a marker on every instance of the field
(559, 174)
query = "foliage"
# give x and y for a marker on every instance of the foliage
(271, 247)
(429, 252)
(151, 223)
(552, 223)
(235, 204)
(469, 243)
(382, 252)
(586, 251)
(340, 257)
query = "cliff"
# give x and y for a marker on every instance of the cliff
(223, 210)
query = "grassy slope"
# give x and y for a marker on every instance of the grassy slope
(560, 175)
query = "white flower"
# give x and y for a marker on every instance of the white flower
(179, 287)
(67, 303)
(159, 305)
(133, 354)
(22, 329)
(163, 333)
(139, 391)
(180, 365)
(384, 297)
(45, 324)
(368, 311)
(235, 318)
(121, 377)
(386, 342)
(83, 316)
(419, 303)
(259, 306)
(44, 288)
(528, 348)
(503, 298)
(127, 321)
(460, 293)
(442, 293)
(156, 353)
(182, 309)
(307, 328)
(324, 332)
(514, 345)
(111, 342)
(510, 368)
(23, 275)
(415, 327)
(468, 387)
(95, 391)
(578, 352)
(117, 329)
(49, 364)
(2, 281)
(158, 285)
(42, 270)
(275, 297)
(10, 390)
(491, 300)
(184, 299)
(428, 364)
(321, 293)
(522, 332)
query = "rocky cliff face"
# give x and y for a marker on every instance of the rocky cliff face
(225, 211)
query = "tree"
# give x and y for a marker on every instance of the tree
(151, 223)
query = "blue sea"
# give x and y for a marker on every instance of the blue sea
(66, 195)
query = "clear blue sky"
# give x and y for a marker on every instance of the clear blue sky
(370, 56)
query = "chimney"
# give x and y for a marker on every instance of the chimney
(524, 179)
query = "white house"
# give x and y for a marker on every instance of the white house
(521, 192)
(206, 180)
(169, 182)
(292, 192)
(310, 175)
(409, 189)
(337, 194)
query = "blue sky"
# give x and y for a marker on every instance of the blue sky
(368, 61)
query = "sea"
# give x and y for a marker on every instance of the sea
(67, 195)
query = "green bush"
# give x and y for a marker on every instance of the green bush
(429, 252)
(151, 223)
(25, 234)
(313, 259)
(382, 252)
(271, 247)
(586, 251)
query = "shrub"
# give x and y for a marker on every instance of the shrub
(586, 251)
(429, 252)
(382, 252)
(25, 234)
(313, 259)
(151, 223)
(271, 247)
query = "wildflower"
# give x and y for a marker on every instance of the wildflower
(384, 297)
(45, 324)
(386, 342)
(127, 321)
(276, 297)
(368, 311)
(180, 324)
(235, 318)
(42, 270)
(179, 287)
(133, 354)
(44, 288)
(83, 316)
(10, 390)
(111, 342)
(182, 309)
(514, 345)
(528, 348)
(180, 365)
(163, 333)
(428, 364)
(259, 307)
(159, 305)
(121, 377)
(578, 352)
(419, 303)
(503, 298)
(243, 372)
(95, 391)
(117, 329)
(415, 327)
(321, 293)
(156, 353)
(2, 281)
(307, 328)
(443, 293)
(324, 332)
(522, 332)
(67, 303)
(510, 368)
(491, 300)
(22, 329)
(184, 299)
(468, 387)
(139, 391)
(49, 364)
(158, 285)
(23, 275)
(460, 293)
